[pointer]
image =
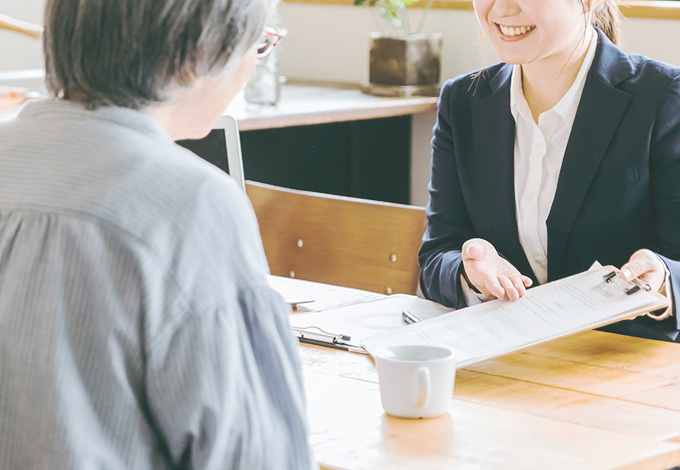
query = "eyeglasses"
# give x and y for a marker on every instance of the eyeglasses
(269, 39)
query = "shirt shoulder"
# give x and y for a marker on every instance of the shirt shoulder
(116, 168)
(477, 84)
(648, 78)
(646, 67)
(114, 165)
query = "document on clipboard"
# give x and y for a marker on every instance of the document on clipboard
(345, 326)
(560, 308)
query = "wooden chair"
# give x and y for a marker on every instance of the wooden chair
(338, 240)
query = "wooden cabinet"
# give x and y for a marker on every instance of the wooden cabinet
(368, 159)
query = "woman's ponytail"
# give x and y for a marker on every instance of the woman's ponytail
(607, 17)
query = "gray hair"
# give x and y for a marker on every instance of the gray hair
(130, 52)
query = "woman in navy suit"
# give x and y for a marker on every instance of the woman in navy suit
(566, 153)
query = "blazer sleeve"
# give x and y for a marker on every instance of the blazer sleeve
(449, 224)
(665, 184)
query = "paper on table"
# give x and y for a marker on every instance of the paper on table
(317, 297)
(560, 308)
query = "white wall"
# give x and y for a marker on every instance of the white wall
(18, 51)
(330, 42)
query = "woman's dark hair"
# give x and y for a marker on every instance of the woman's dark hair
(130, 52)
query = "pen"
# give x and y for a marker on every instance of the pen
(341, 347)
(408, 317)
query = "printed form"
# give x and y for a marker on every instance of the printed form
(560, 308)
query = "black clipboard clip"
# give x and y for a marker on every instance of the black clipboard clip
(613, 278)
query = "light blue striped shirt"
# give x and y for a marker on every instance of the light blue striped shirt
(137, 328)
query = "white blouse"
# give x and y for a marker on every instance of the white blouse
(539, 151)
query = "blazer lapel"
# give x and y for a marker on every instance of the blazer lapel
(494, 136)
(599, 112)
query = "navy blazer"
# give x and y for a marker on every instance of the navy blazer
(618, 188)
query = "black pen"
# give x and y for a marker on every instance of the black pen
(408, 317)
(342, 347)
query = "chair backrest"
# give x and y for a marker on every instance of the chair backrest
(338, 240)
(232, 142)
(222, 148)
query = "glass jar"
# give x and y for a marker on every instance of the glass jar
(264, 86)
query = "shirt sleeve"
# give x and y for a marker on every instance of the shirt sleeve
(224, 380)
(472, 297)
(225, 388)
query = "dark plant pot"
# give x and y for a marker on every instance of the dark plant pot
(404, 64)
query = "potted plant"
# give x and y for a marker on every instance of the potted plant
(403, 61)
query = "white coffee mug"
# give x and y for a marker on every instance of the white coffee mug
(416, 381)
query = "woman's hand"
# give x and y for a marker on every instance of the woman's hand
(491, 274)
(647, 267)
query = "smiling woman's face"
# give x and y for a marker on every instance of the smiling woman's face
(529, 31)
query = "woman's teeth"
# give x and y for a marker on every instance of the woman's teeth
(515, 30)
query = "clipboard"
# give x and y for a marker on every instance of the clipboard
(348, 325)
(560, 308)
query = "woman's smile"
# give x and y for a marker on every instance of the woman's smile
(514, 33)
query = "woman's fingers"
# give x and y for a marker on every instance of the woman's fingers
(634, 268)
(518, 282)
(645, 265)
(491, 273)
(494, 286)
(479, 262)
(513, 286)
(508, 288)
(474, 249)
(503, 286)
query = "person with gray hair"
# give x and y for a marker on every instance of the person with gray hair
(137, 326)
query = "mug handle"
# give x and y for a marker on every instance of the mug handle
(424, 387)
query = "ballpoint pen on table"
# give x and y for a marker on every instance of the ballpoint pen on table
(355, 349)
(408, 317)
(326, 339)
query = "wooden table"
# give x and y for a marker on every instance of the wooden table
(591, 401)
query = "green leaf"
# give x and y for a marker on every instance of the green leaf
(391, 7)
